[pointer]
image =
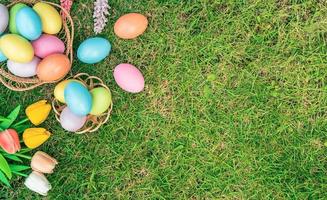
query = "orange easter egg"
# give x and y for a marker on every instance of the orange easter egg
(131, 25)
(53, 67)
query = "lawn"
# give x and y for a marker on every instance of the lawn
(234, 105)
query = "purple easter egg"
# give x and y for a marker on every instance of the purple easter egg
(71, 122)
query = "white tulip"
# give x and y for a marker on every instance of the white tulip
(37, 182)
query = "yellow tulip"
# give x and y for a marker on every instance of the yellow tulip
(34, 137)
(38, 112)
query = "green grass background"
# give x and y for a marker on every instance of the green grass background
(234, 105)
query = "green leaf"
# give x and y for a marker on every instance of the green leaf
(24, 150)
(13, 157)
(2, 119)
(12, 117)
(19, 168)
(20, 174)
(23, 156)
(20, 154)
(5, 167)
(4, 180)
(21, 122)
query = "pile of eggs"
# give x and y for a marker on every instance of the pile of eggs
(31, 47)
(80, 103)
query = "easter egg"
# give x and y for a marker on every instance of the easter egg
(93, 50)
(130, 26)
(47, 45)
(78, 98)
(4, 18)
(12, 20)
(60, 88)
(23, 69)
(53, 67)
(28, 23)
(129, 78)
(2, 57)
(71, 122)
(50, 17)
(101, 100)
(16, 48)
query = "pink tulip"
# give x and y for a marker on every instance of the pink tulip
(42, 162)
(9, 141)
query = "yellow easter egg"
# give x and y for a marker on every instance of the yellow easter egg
(50, 17)
(16, 48)
(60, 88)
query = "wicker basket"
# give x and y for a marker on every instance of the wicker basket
(66, 34)
(93, 123)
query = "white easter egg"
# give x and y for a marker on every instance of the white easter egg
(23, 69)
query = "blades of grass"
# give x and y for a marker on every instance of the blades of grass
(4, 166)
(4, 179)
(12, 117)
(13, 157)
(19, 168)
(20, 174)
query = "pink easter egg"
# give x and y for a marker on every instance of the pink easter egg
(129, 78)
(47, 45)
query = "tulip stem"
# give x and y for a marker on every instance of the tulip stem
(23, 156)
(21, 122)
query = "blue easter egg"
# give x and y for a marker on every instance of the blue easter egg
(93, 50)
(78, 98)
(28, 23)
(2, 57)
